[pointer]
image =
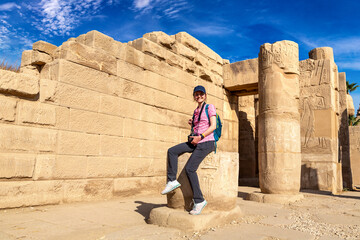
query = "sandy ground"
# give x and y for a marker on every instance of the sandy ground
(318, 216)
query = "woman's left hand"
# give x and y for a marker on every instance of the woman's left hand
(196, 140)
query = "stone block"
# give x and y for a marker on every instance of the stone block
(149, 151)
(8, 109)
(44, 167)
(81, 39)
(30, 193)
(322, 53)
(92, 122)
(62, 118)
(166, 101)
(89, 189)
(157, 166)
(132, 55)
(200, 60)
(175, 218)
(319, 175)
(153, 114)
(139, 129)
(130, 71)
(174, 60)
(37, 113)
(167, 134)
(354, 133)
(138, 167)
(16, 165)
(34, 57)
(154, 80)
(120, 146)
(215, 68)
(120, 107)
(207, 52)
(135, 186)
(48, 90)
(350, 105)
(45, 47)
(274, 198)
(30, 70)
(188, 40)
(190, 67)
(75, 97)
(18, 138)
(240, 74)
(218, 177)
(161, 38)
(70, 167)
(26, 58)
(106, 167)
(206, 74)
(87, 56)
(184, 51)
(148, 47)
(101, 41)
(179, 89)
(77, 143)
(18, 84)
(179, 120)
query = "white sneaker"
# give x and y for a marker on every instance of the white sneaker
(198, 207)
(170, 186)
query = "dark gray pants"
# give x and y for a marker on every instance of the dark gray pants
(199, 152)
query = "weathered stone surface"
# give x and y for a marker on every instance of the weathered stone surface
(161, 38)
(218, 175)
(120, 146)
(322, 53)
(37, 113)
(29, 193)
(279, 155)
(274, 198)
(241, 75)
(188, 40)
(101, 41)
(319, 100)
(91, 122)
(78, 143)
(17, 165)
(88, 189)
(8, 109)
(87, 56)
(184, 51)
(149, 47)
(18, 84)
(45, 47)
(180, 219)
(44, 167)
(130, 186)
(350, 105)
(106, 167)
(355, 154)
(18, 138)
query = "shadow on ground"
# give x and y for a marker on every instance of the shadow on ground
(144, 208)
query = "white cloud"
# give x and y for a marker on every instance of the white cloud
(161, 8)
(60, 17)
(8, 6)
(354, 65)
(141, 4)
(212, 30)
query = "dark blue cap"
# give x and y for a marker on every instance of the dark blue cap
(199, 88)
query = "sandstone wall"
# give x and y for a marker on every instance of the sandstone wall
(319, 108)
(354, 132)
(93, 118)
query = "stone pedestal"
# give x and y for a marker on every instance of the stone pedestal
(279, 119)
(218, 177)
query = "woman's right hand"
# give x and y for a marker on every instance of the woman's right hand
(190, 121)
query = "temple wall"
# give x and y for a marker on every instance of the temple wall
(93, 118)
(354, 132)
(319, 108)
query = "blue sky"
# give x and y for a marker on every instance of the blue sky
(233, 29)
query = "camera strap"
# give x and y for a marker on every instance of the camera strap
(193, 124)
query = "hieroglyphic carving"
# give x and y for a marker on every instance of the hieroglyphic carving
(284, 54)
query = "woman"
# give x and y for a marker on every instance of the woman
(201, 144)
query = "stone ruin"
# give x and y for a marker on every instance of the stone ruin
(93, 119)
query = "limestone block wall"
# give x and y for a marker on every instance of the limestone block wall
(319, 108)
(94, 117)
(354, 132)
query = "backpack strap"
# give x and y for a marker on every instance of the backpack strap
(207, 114)
(193, 124)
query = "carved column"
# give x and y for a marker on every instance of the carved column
(279, 122)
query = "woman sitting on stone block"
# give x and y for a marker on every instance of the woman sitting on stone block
(201, 142)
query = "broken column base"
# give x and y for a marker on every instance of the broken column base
(274, 198)
(180, 219)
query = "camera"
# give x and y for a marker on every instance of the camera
(190, 138)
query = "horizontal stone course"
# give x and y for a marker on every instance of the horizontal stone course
(18, 84)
